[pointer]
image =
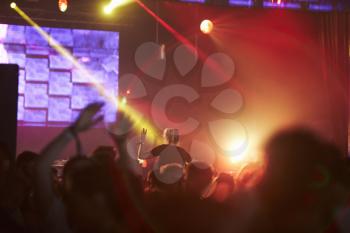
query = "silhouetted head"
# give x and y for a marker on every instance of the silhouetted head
(80, 176)
(25, 163)
(249, 176)
(88, 209)
(224, 187)
(298, 160)
(104, 155)
(198, 176)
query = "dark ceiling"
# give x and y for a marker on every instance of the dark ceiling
(90, 12)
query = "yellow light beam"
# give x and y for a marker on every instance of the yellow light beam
(135, 116)
(114, 4)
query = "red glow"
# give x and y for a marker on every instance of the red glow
(214, 66)
(177, 35)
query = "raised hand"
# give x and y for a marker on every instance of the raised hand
(88, 117)
(143, 135)
(122, 126)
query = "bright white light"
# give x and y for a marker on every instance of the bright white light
(206, 26)
(124, 100)
(63, 5)
(114, 4)
(13, 5)
(108, 9)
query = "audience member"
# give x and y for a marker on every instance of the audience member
(302, 186)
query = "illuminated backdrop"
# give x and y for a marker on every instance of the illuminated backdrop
(51, 90)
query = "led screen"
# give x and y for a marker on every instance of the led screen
(51, 90)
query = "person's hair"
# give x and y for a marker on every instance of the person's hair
(104, 154)
(198, 176)
(298, 160)
(26, 157)
(171, 135)
(82, 176)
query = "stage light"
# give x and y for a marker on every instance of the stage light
(124, 100)
(13, 5)
(114, 4)
(135, 116)
(128, 92)
(206, 26)
(279, 1)
(108, 9)
(63, 5)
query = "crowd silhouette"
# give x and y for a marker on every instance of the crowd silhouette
(302, 187)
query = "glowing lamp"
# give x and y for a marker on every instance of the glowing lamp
(13, 5)
(63, 5)
(206, 26)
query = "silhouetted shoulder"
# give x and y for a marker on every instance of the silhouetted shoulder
(158, 149)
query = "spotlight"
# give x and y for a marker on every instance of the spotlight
(13, 5)
(114, 4)
(206, 26)
(124, 100)
(63, 5)
(108, 9)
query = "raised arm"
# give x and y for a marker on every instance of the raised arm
(43, 180)
(141, 154)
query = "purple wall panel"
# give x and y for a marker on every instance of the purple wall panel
(36, 95)
(60, 83)
(59, 62)
(37, 69)
(59, 110)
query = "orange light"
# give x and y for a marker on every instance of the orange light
(63, 5)
(143, 163)
(206, 26)
(279, 1)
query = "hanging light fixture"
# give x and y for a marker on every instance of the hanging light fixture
(63, 5)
